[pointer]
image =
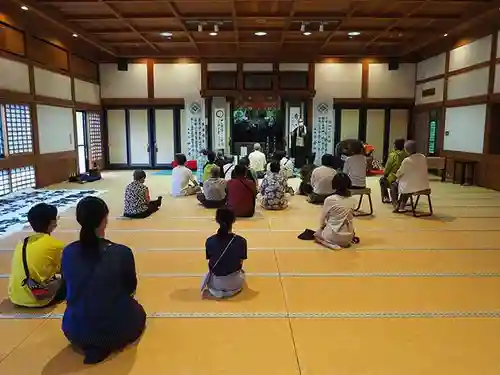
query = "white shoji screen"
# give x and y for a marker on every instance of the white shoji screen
(23, 178)
(2, 137)
(18, 123)
(4, 182)
(94, 121)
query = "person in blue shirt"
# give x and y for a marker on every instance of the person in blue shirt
(102, 315)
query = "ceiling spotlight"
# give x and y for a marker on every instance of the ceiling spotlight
(321, 27)
(75, 35)
(166, 34)
(303, 27)
(306, 33)
(260, 33)
(200, 28)
(353, 33)
(213, 33)
(24, 7)
(445, 34)
(216, 28)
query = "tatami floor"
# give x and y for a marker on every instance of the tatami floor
(416, 296)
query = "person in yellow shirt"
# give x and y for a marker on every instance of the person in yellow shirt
(43, 258)
(392, 165)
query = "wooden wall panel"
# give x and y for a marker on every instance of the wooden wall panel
(85, 69)
(12, 40)
(47, 175)
(48, 54)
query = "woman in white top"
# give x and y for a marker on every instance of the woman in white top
(183, 181)
(321, 179)
(412, 176)
(228, 168)
(355, 166)
(336, 225)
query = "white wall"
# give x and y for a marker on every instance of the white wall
(437, 84)
(498, 45)
(338, 80)
(176, 80)
(497, 79)
(55, 129)
(14, 76)
(385, 83)
(87, 92)
(258, 67)
(473, 83)
(465, 127)
(52, 84)
(431, 67)
(470, 54)
(293, 67)
(222, 67)
(130, 84)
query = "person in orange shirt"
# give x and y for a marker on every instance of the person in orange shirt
(43, 259)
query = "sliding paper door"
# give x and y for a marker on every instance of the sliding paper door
(375, 129)
(117, 136)
(164, 136)
(139, 137)
(349, 124)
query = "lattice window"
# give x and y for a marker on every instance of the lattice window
(94, 127)
(23, 178)
(4, 182)
(18, 124)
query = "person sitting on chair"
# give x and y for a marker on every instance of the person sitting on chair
(228, 168)
(137, 203)
(258, 161)
(355, 166)
(412, 176)
(241, 193)
(273, 189)
(214, 190)
(225, 252)
(392, 165)
(321, 180)
(336, 224)
(183, 181)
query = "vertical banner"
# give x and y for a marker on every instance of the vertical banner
(323, 128)
(220, 128)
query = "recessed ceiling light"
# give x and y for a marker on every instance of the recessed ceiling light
(166, 33)
(260, 33)
(445, 34)
(75, 35)
(353, 33)
(307, 33)
(24, 7)
(213, 33)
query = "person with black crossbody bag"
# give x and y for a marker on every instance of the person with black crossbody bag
(225, 252)
(241, 193)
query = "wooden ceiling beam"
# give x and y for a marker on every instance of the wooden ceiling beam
(467, 21)
(235, 24)
(397, 22)
(288, 22)
(140, 2)
(129, 25)
(175, 12)
(58, 19)
(327, 17)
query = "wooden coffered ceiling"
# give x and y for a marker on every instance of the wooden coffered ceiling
(388, 28)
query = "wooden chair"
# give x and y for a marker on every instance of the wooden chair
(362, 193)
(414, 203)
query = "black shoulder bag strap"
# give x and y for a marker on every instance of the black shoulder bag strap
(25, 260)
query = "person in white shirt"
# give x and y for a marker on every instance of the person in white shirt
(258, 161)
(228, 168)
(336, 224)
(355, 166)
(287, 165)
(321, 180)
(412, 176)
(183, 181)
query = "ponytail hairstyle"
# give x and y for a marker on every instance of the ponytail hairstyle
(90, 214)
(225, 218)
(341, 183)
